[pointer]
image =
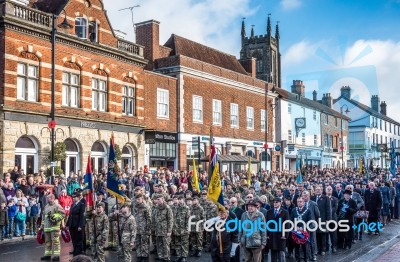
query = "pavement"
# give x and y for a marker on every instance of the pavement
(385, 247)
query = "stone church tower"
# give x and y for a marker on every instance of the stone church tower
(265, 49)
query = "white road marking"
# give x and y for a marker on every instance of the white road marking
(9, 252)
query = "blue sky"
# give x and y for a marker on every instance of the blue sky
(326, 43)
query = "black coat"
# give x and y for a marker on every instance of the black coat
(227, 238)
(351, 210)
(338, 195)
(274, 239)
(77, 215)
(334, 207)
(373, 202)
(324, 206)
(313, 207)
(238, 212)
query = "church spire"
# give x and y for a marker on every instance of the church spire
(269, 25)
(277, 36)
(243, 28)
(252, 31)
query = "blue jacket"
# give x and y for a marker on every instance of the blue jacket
(12, 211)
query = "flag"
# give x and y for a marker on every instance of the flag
(297, 164)
(392, 160)
(113, 184)
(360, 165)
(299, 178)
(214, 180)
(88, 186)
(249, 173)
(195, 178)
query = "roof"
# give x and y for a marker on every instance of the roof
(48, 6)
(189, 48)
(292, 97)
(232, 158)
(369, 110)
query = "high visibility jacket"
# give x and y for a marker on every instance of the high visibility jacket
(53, 214)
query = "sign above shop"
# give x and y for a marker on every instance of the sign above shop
(163, 137)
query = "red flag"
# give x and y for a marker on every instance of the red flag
(88, 185)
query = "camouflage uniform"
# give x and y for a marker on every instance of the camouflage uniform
(196, 237)
(211, 212)
(127, 232)
(174, 208)
(53, 214)
(163, 221)
(98, 241)
(229, 193)
(181, 233)
(142, 214)
(267, 193)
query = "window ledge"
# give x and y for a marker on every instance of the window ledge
(217, 124)
(250, 129)
(197, 122)
(71, 107)
(163, 117)
(33, 102)
(235, 127)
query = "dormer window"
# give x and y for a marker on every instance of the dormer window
(81, 27)
(93, 32)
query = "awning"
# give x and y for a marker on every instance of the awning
(232, 159)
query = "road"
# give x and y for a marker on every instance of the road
(370, 247)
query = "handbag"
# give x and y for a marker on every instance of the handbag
(65, 235)
(361, 214)
(20, 216)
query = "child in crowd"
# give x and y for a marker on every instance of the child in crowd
(3, 220)
(34, 211)
(12, 211)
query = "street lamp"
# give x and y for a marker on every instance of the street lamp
(52, 123)
(341, 130)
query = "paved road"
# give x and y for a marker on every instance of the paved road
(369, 249)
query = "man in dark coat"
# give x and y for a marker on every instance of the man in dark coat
(325, 212)
(346, 210)
(338, 193)
(334, 206)
(228, 238)
(275, 241)
(373, 204)
(76, 224)
(313, 207)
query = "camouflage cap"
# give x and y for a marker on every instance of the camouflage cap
(100, 204)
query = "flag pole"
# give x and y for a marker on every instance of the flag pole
(220, 243)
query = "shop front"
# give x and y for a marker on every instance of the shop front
(162, 150)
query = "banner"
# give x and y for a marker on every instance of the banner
(113, 184)
(88, 185)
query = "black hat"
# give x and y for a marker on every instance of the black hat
(347, 192)
(252, 203)
(75, 194)
(100, 193)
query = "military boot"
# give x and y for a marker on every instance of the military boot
(56, 259)
(44, 258)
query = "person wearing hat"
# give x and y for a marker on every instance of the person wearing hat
(275, 241)
(253, 243)
(163, 221)
(76, 224)
(142, 213)
(196, 233)
(346, 209)
(99, 234)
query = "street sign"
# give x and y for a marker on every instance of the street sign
(53, 164)
(195, 139)
(277, 148)
(290, 147)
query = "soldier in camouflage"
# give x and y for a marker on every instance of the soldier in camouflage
(126, 232)
(174, 208)
(143, 221)
(211, 212)
(196, 232)
(163, 221)
(100, 234)
(181, 222)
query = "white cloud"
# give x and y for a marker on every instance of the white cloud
(298, 53)
(290, 4)
(213, 23)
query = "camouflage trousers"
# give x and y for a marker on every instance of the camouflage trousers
(98, 251)
(113, 234)
(142, 244)
(173, 242)
(182, 247)
(207, 238)
(124, 253)
(52, 243)
(196, 239)
(163, 248)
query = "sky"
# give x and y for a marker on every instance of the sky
(325, 43)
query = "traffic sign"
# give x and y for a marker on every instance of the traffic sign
(277, 148)
(53, 164)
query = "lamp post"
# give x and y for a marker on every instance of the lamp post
(52, 123)
(341, 130)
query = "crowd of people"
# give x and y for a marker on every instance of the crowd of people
(163, 213)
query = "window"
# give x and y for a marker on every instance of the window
(289, 108)
(234, 115)
(290, 137)
(162, 103)
(197, 109)
(303, 138)
(259, 65)
(250, 117)
(128, 100)
(217, 112)
(315, 115)
(27, 82)
(385, 125)
(70, 89)
(93, 32)
(336, 121)
(263, 120)
(315, 140)
(330, 141)
(326, 119)
(326, 140)
(357, 140)
(99, 94)
(163, 150)
(81, 27)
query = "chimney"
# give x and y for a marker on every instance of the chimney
(375, 103)
(314, 95)
(249, 64)
(327, 100)
(383, 108)
(298, 87)
(345, 91)
(148, 35)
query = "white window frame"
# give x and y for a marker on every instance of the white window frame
(263, 124)
(290, 136)
(197, 109)
(84, 27)
(217, 112)
(315, 140)
(250, 117)
(128, 100)
(27, 82)
(96, 31)
(67, 87)
(99, 94)
(234, 119)
(289, 108)
(162, 103)
(326, 120)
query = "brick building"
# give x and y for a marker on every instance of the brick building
(212, 89)
(100, 86)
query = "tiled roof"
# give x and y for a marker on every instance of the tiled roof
(48, 6)
(186, 47)
(291, 97)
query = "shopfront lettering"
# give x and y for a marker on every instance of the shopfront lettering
(88, 124)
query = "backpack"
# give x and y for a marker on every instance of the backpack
(34, 210)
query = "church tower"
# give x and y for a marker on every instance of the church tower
(265, 49)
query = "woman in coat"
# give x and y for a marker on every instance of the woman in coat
(385, 191)
(301, 213)
(346, 209)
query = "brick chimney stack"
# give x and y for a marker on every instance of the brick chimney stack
(383, 108)
(327, 100)
(375, 103)
(298, 87)
(148, 35)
